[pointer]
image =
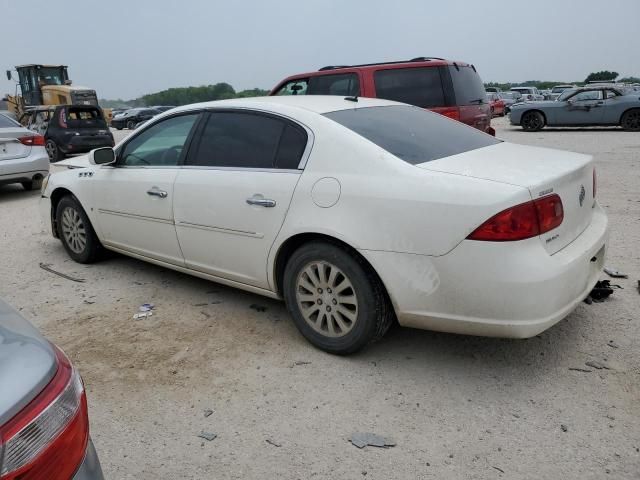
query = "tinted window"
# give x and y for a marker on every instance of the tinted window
(84, 117)
(346, 84)
(467, 85)
(294, 87)
(160, 144)
(412, 134)
(6, 122)
(292, 145)
(417, 86)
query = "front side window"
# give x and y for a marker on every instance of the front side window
(587, 96)
(421, 87)
(159, 145)
(248, 140)
(612, 94)
(412, 134)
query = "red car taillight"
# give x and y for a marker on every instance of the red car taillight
(48, 438)
(32, 140)
(453, 112)
(594, 183)
(522, 221)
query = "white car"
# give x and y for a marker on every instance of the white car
(23, 158)
(355, 211)
(528, 93)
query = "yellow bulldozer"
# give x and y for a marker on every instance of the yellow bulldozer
(48, 85)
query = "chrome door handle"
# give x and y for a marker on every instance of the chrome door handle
(262, 202)
(157, 193)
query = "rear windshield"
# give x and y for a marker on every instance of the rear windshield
(6, 122)
(84, 117)
(467, 84)
(412, 134)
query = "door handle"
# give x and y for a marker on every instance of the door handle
(262, 202)
(157, 193)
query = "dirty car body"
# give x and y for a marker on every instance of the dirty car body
(44, 427)
(458, 231)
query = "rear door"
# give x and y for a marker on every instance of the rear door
(134, 198)
(233, 193)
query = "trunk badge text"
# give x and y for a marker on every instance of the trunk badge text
(583, 192)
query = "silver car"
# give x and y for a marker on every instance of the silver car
(44, 425)
(23, 158)
(602, 105)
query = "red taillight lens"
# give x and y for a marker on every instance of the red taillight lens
(594, 183)
(32, 140)
(48, 438)
(522, 221)
(451, 113)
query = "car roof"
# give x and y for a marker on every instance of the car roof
(315, 103)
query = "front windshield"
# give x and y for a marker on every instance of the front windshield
(51, 75)
(558, 89)
(566, 94)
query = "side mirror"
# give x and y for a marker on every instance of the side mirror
(102, 156)
(9, 75)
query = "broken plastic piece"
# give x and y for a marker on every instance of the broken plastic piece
(615, 273)
(146, 307)
(208, 436)
(361, 440)
(140, 315)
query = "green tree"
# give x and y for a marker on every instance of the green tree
(630, 80)
(603, 76)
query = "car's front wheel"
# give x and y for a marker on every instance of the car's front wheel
(532, 121)
(336, 300)
(75, 231)
(631, 120)
(131, 124)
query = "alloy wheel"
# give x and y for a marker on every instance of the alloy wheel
(73, 230)
(326, 299)
(632, 120)
(51, 149)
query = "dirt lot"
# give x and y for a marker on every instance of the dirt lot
(458, 407)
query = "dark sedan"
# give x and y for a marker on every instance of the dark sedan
(577, 107)
(133, 117)
(44, 423)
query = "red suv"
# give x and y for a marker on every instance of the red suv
(453, 89)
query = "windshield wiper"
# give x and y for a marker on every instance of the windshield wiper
(477, 100)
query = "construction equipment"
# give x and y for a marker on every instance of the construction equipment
(48, 85)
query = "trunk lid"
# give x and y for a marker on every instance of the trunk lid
(10, 146)
(543, 172)
(27, 362)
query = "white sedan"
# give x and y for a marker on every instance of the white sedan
(355, 211)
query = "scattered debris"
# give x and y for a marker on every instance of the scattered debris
(88, 302)
(577, 369)
(208, 436)
(208, 412)
(498, 468)
(138, 316)
(144, 310)
(271, 442)
(200, 304)
(146, 307)
(596, 365)
(601, 290)
(638, 286)
(47, 267)
(613, 344)
(361, 440)
(258, 308)
(615, 273)
(215, 302)
(563, 428)
(298, 363)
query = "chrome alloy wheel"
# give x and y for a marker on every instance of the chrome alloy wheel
(73, 230)
(326, 299)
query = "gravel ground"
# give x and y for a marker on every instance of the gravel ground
(457, 407)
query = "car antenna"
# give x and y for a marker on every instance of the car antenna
(352, 99)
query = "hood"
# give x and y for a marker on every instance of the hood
(81, 161)
(27, 362)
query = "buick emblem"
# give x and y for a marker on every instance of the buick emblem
(582, 194)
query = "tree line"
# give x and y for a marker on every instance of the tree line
(603, 76)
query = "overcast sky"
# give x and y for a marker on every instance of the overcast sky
(126, 48)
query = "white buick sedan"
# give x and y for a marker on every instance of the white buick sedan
(355, 211)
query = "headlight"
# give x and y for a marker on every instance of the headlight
(45, 182)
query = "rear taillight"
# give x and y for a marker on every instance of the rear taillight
(452, 112)
(32, 140)
(594, 183)
(47, 439)
(522, 221)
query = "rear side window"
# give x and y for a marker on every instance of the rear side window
(467, 85)
(294, 87)
(6, 122)
(412, 134)
(421, 87)
(248, 140)
(345, 84)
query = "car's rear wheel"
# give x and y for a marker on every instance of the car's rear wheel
(131, 124)
(118, 128)
(532, 121)
(53, 151)
(75, 231)
(33, 184)
(336, 300)
(631, 120)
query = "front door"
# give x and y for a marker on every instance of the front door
(134, 197)
(584, 108)
(233, 193)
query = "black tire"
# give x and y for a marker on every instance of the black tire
(118, 128)
(33, 184)
(91, 249)
(373, 314)
(55, 155)
(532, 121)
(492, 113)
(631, 120)
(131, 124)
